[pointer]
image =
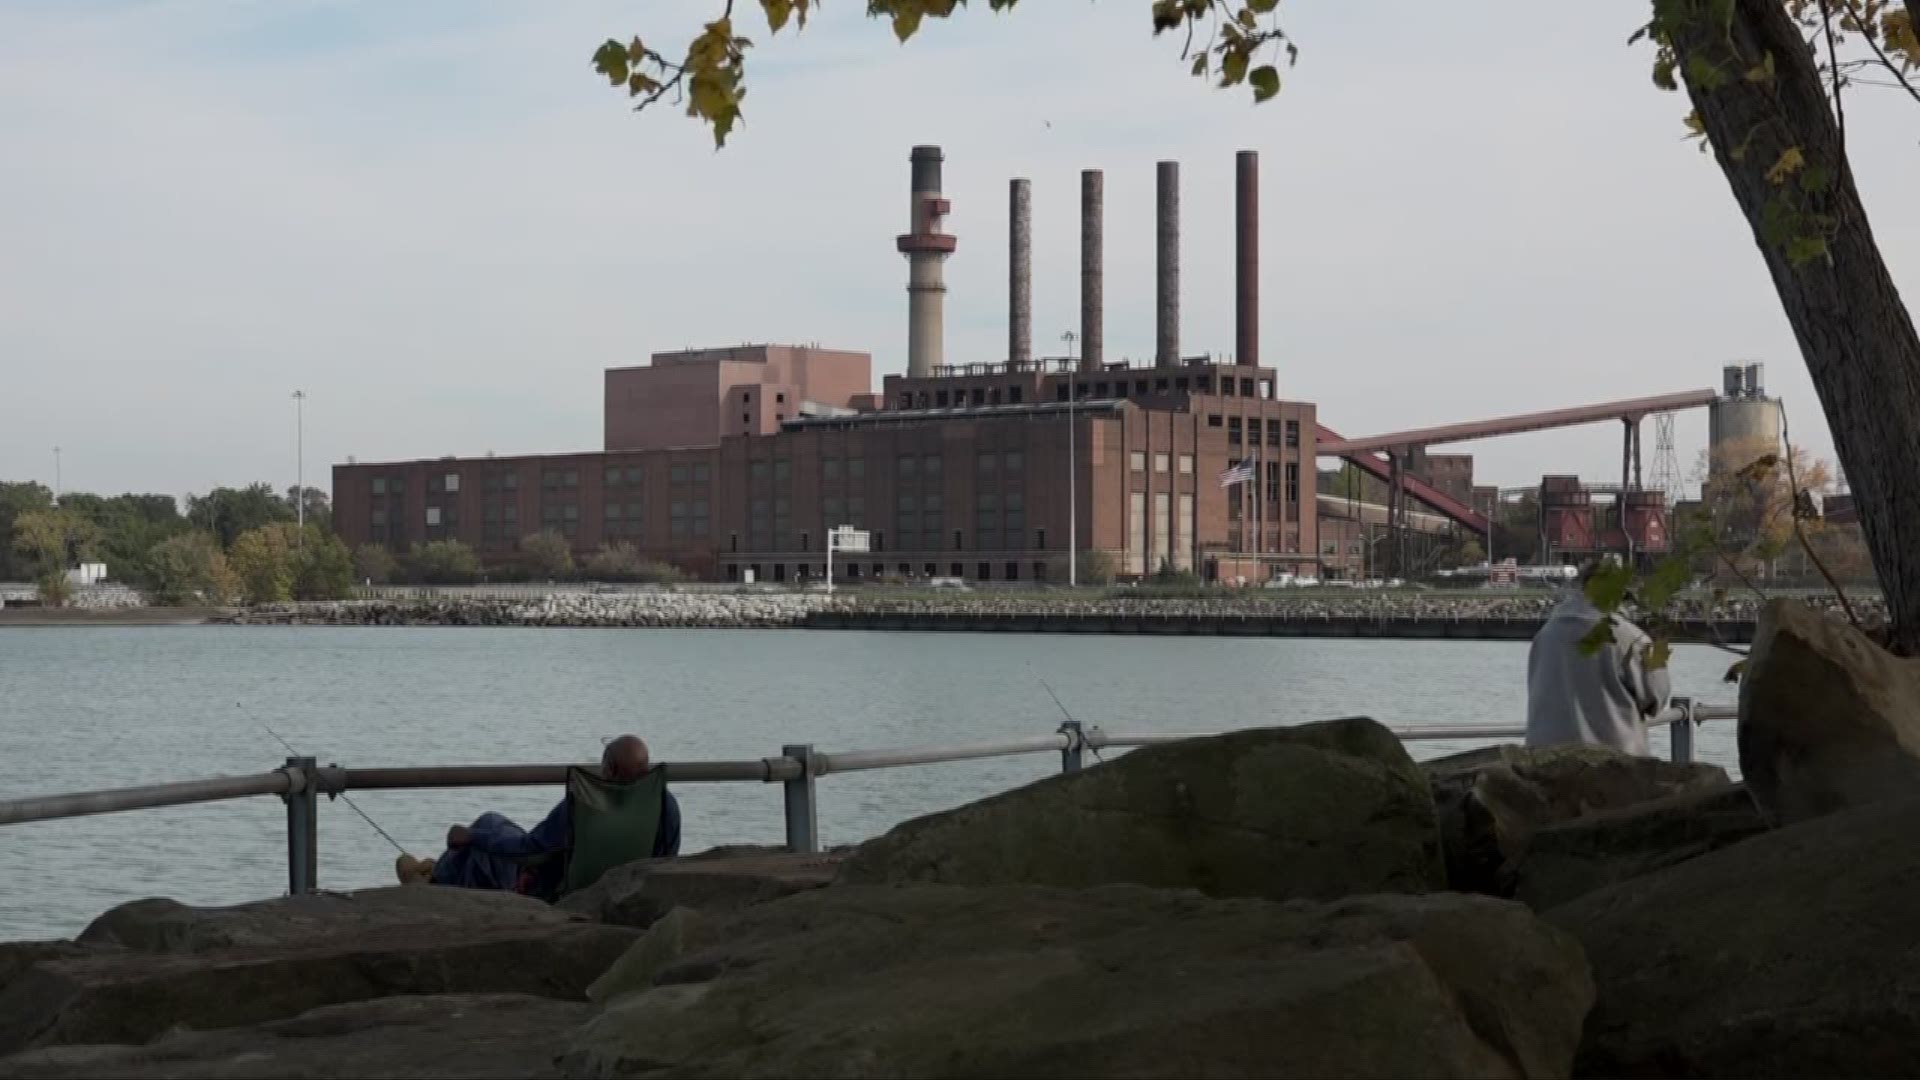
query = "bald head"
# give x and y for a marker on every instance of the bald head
(625, 758)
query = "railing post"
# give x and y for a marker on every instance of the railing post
(1076, 743)
(1681, 732)
(303, 826)
(803, 819)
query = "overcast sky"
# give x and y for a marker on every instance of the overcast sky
(436, 220)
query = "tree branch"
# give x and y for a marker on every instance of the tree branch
(1833, 68)
(1799, 525)
(1899, 75)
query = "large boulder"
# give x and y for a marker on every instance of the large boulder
(1828, 718)
(445, 1035)
(1793, 953)
(1492, 801)
(1114, 981)
(725, 879)
(153, 965)
(1316, 811)
(1568, 859)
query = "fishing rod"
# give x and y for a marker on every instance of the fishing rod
(341, 795)
(1062, 706)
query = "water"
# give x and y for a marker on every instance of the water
(94, 707)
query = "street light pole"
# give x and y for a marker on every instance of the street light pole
(56, 476)
(300, 465)
(1073, 476)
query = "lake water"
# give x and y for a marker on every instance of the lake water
(85, 707)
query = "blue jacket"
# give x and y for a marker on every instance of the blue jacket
(494, 835)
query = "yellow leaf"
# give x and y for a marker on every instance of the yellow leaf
(1791, 161)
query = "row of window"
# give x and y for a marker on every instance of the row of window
(857, 571)
(1253, 430)
(909, 536)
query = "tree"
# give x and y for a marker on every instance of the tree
(1094, 567)
(374, 563)
(16, 499)
(623, 562)
(190, 568)
(443, 562)
(262, 560)
(319, 513)
(49, 542)
(322, 566)
(550, 554)
(1761, 103)
(228, 512)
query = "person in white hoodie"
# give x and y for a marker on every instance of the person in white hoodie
(1603, 698)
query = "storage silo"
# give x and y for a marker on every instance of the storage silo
(1744, 424)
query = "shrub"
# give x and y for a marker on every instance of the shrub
(623, 562)
(443, 562)
(373, 563)
(190, 568)
(550, 554)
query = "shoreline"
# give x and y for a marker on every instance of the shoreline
(114, 616)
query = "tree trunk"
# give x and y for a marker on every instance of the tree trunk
(1855, 334)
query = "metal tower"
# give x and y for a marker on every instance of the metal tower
(1666, 464)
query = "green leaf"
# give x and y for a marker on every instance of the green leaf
(1668, 578)
(1597, 638)
(1659, 654)
(1703, 74)
(1608, 586)
(1266, 82)
(610, 59)
(1736, 672)
(1790, 161)
(1233, 67)
(1663, 65)
(1815, 179)
(1263, 7)
(1805, 249)
(778, 12)
(1200, 64)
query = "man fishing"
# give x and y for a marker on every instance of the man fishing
(1600, 698)
(495, 853)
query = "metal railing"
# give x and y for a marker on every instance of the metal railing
(302, 780)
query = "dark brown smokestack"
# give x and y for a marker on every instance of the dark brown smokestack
(1092, 256)
(1246, 247)
(1166, 352)
(1020, 272)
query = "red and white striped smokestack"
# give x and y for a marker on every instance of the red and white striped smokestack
(1246, 248)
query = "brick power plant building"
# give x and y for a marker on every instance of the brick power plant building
(733, 462)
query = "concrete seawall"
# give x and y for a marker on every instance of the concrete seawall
(1218, 625)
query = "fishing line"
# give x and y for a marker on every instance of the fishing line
(341, 795)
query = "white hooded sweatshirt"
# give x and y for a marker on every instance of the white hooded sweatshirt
(1603, 699)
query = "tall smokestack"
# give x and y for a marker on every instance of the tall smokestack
(1246, 249)
(1166, 351)
(1093, 311)
(1020, 272)
(926, 249)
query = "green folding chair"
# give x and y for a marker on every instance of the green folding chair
(613, 824)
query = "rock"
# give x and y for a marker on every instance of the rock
(153, 965)
(1571, 858)
(1789, 954)
(1316, 811)
(725, 879)
(1490, 802)
(446, 1035)
(1828, 718)
(1115, 981)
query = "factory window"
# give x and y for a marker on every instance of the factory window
(1160, 385)
(1039, 571)
(613, 512)
(1040, 539)
(757, 470)
(1140, 387)
(571, 512)
(701, 519)
(746, 419)
(379, 485)
(1233, 430)
(856, 511)
(1162, 463)
(856, 468)
(955, 570)
(993, 396)
(1186, 464)
(678, 474)
(1204, 384)
(492, 481)
(1273, 434)
(907, 465)
(905, 504)
(1016, 460)
(1080, 390)
(1016, 517)
(959, 540)
(380, 517)
(879, 541)
(550, 478)
(931, 466)
(511, 513)
(1015, 395)
(1226, 387)
(1213, 419)
(1246, 387)
(806, 540)
(1060, 392)
(940, 399)
(830, 468)
(733, 544)
(979, 395)
(1137, 461)
(779, 399)
(782, 469)
(933, 570)
(985, 462)
(930, 502)
(758, 510)
(398, 485)
(1180, 383)
(701, 473)
(733, 572)
(1253, 429)
(906, 401)
(780, 571)
(433, 485)
(511, 481)
(572, 478)
(677, 518)
(453, 481)
(986, 571)
(1099, 391)
(1293, 481)
(491, 513)
(833, 511)
(613, 476)
(746, 397)
(633, 475)
(1013, 571)
(1266, 389)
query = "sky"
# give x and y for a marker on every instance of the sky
(435, 220)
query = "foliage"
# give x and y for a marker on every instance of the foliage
(229, 512)
(53, 587)
(319, 513)
(550, 554)
(130, 526)
(48, 543)
(262, 560)
(623, 562)
(190, 567)
(443, 562)
(374, 563)
(1223, 41)
(322, 566)
(16, 499)
(1093, 567)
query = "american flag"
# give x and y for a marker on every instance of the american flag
(1237, 474)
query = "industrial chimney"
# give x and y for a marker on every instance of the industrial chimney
(926, 249)
(1020, 273)
(1246, 247)
(1092, 256)
(1166, 352)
